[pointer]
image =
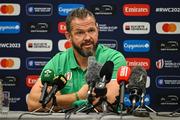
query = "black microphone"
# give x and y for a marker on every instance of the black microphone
(105, 74)
(92, 75)
(137, 84)
(58, 83)
(46, 79)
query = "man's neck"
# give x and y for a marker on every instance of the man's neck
(82, 61)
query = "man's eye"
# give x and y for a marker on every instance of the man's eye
(91, 30)
(80, 32)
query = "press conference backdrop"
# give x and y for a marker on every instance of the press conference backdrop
(147, 32)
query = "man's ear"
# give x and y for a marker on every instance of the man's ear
(67, 35)
(97, 25)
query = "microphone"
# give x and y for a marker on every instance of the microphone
(122, 79)
(137, 84)
(46, 79)
(105, 74)
(58, 83)
(92, 75)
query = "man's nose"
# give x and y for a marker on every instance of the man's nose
(87, 36)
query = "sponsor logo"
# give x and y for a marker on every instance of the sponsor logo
(38, 27)
(62, 27)
(36, 63)
(68, 75)
(10, 45)
(169, 46)
(64, 44)
(136, 45)
(31, 80)
(136, 9)
(148, 82)
(136, 27)
(168, 27)
(106, 28)
(9, 63)
(168, 82)
(9, 27)
(168, 10)
(105, 9)
(64, 9)
(39, 9)
(14, 100)
(9, 81)
(169, 100)
(8, 9)
(128, 103)
(144, 62)
(161, 63)
(109, 43)
(39, 45)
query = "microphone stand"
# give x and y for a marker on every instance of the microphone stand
(141, 110)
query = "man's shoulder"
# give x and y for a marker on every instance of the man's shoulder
(104, 50)
(63, 54)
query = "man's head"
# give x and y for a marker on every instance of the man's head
(82, 31)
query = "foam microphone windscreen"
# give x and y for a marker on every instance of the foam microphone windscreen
(138, 78)
(60, 81)
(107, 70)
(47, 76)
(93, 69)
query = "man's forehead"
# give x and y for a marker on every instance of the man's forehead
(85, 22)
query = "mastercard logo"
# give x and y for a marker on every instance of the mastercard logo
(168, 27)
(9, 9)
(9, 63)
(63, 45)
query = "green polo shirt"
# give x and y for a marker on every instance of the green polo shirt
(65, 63)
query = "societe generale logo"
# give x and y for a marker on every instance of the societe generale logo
(168, 27)
(62, 27)
(9, 63)
(144, 62)
(64, 44)
(31, 80)
(39, 45)
(136, 27)
(8, 9)
(136, 9)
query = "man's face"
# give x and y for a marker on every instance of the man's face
(84, 36)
